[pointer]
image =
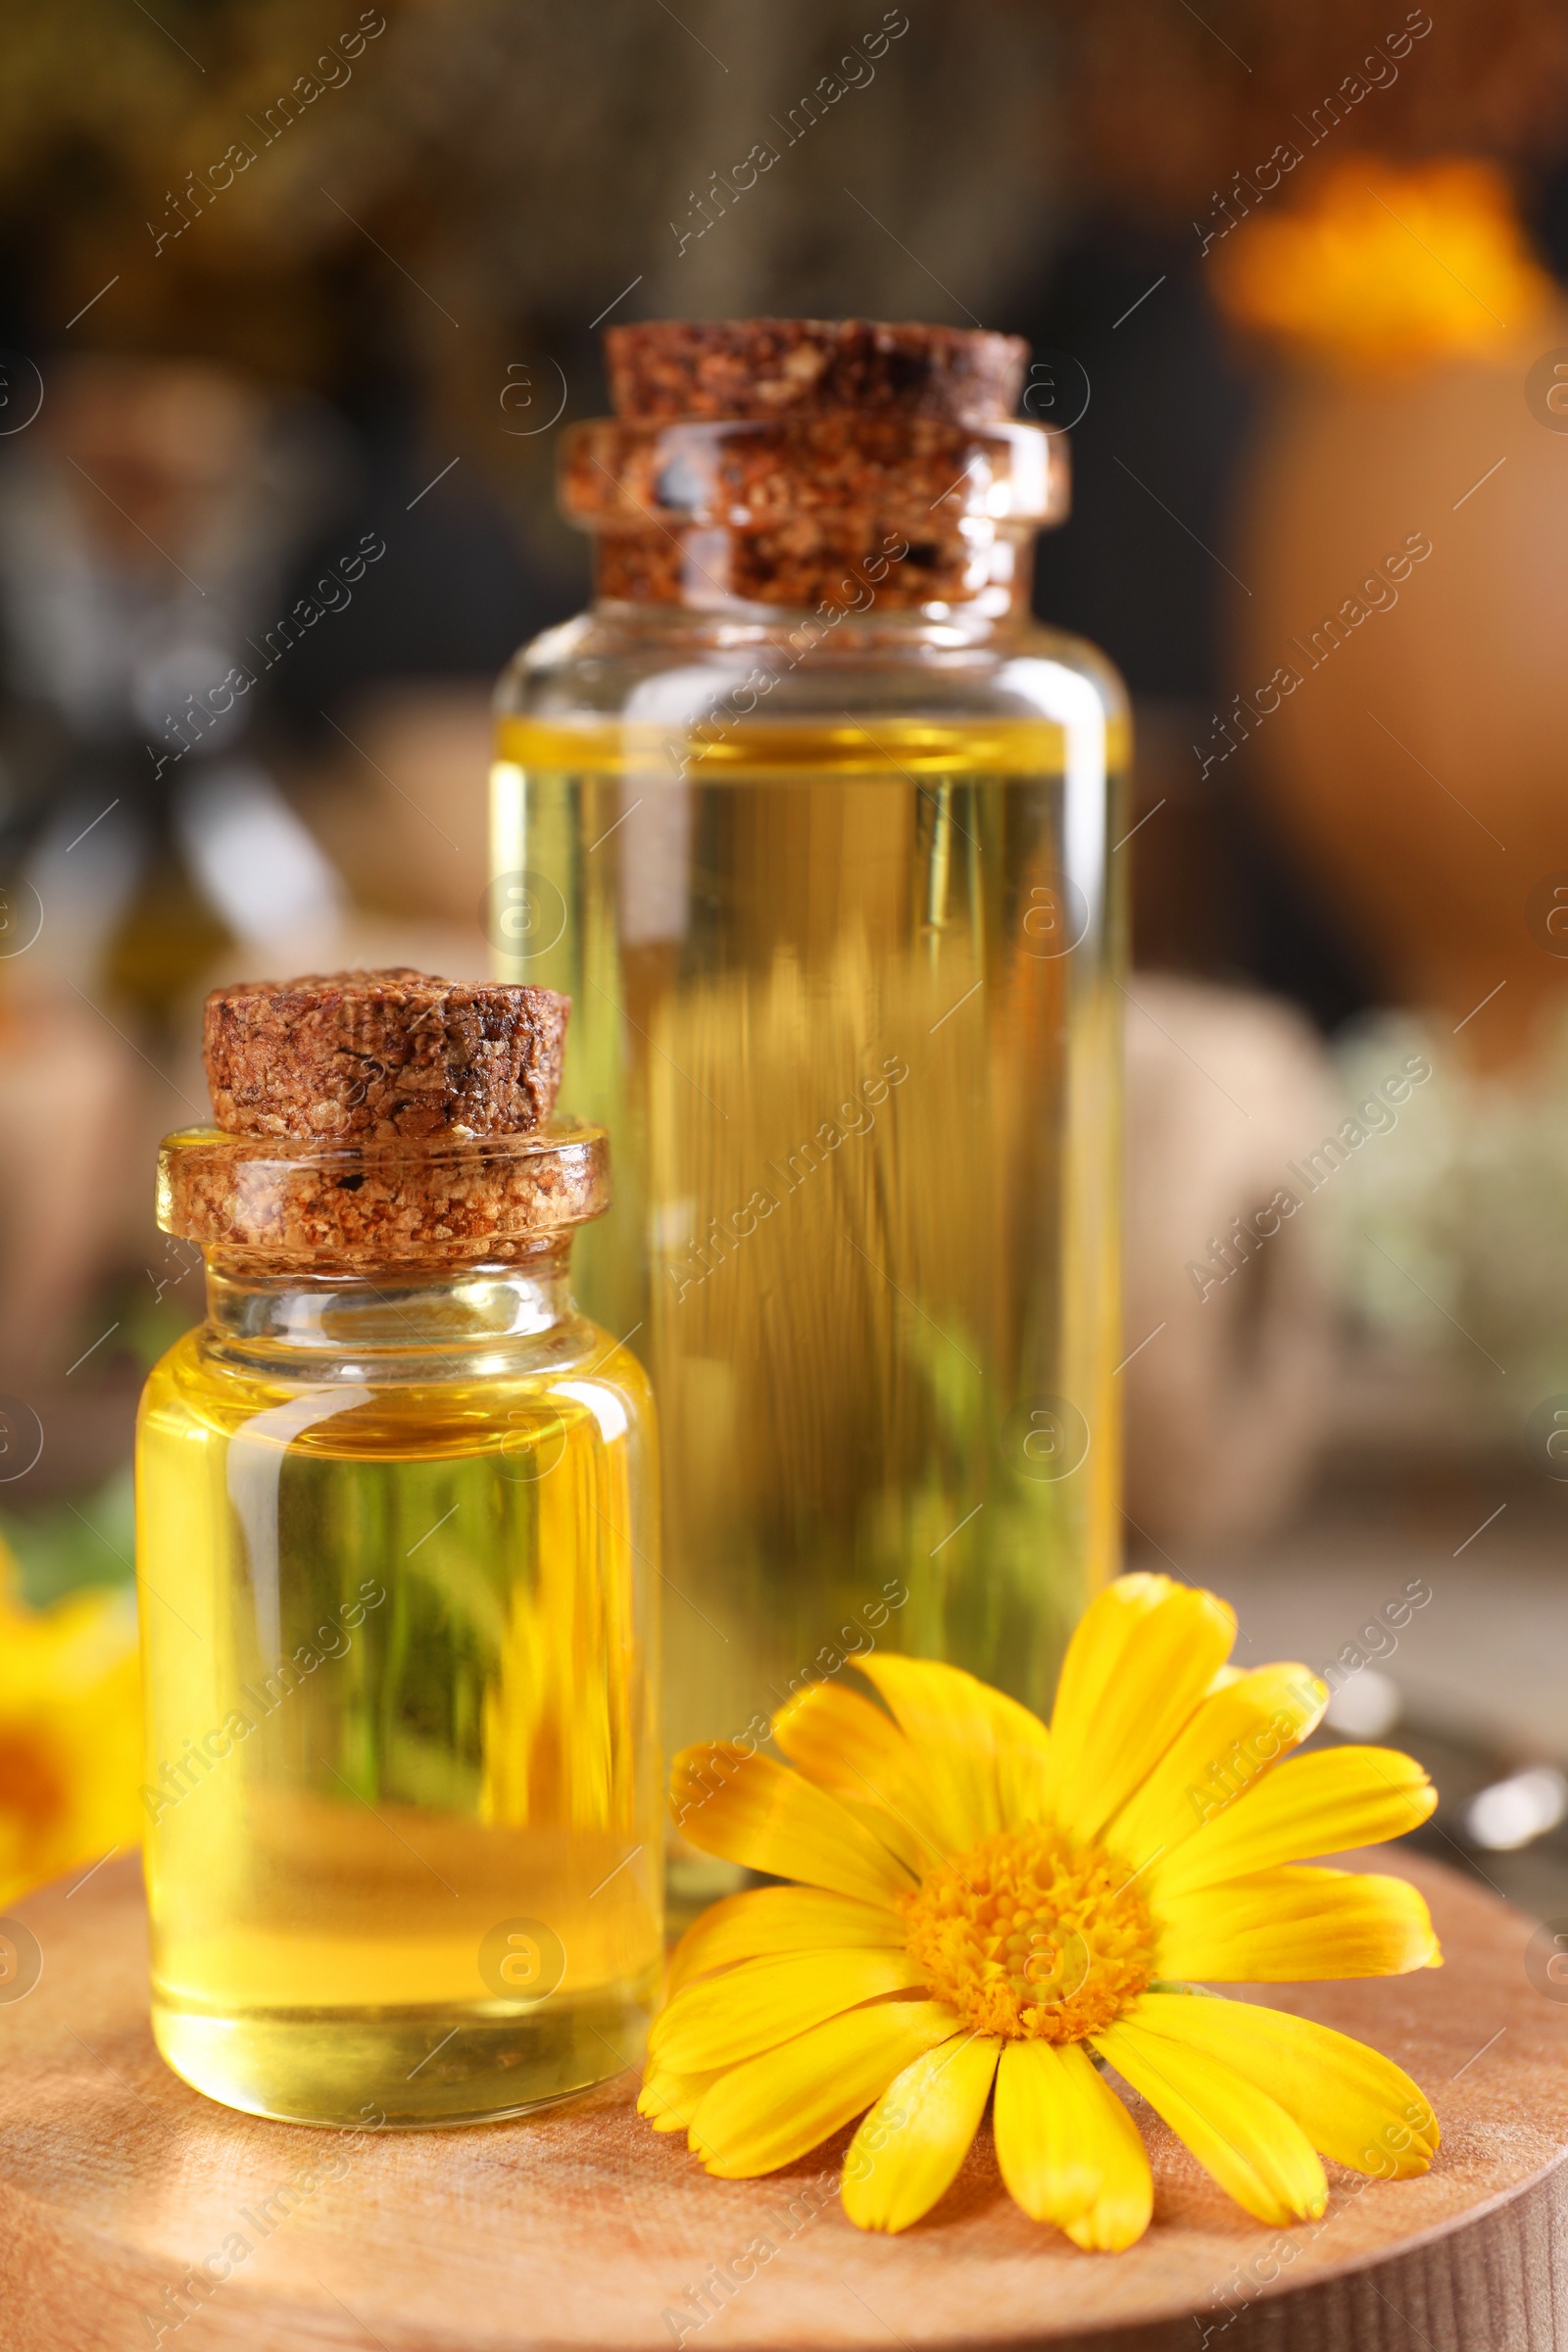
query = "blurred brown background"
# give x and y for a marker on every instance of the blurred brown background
(291, 308)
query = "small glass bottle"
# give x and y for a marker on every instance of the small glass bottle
(817, 827)
(397, 1521)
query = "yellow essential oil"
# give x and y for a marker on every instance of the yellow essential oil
(396, 1527)
(844, 994)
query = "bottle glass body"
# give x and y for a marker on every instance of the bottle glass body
(394, 1535)
(844, 962)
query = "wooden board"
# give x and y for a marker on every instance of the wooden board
(580, 2229)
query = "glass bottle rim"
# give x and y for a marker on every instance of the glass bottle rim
(453, 1197)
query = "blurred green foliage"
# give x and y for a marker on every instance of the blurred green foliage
(65, 1544)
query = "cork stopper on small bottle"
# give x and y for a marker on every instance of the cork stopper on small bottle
(385, 1117)
(383, 1055)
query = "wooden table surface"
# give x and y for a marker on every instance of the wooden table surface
(581, 2228)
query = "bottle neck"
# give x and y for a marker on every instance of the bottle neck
(385, 1310)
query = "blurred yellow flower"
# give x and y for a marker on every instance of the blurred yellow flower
(69, 1733)
(1382, 266)
(984, 1903)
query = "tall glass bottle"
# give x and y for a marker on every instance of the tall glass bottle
(815, 826)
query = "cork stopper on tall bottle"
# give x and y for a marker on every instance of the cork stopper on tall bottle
(807, 463)
(777, 368)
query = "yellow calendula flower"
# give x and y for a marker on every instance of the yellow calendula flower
(982, 1903)
(69, 1733)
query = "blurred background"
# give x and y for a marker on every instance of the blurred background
(291, 308)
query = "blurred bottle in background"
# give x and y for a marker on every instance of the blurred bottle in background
(148, 528)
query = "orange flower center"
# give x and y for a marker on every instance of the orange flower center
(1029, 1936)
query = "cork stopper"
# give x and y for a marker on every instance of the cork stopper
(812, 464)
(768, 369)
(382, 1118)
(382, 1056)
(441, 1201)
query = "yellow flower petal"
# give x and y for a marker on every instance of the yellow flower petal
(1353, 2104)
(70, 1733)
(917, 1853)
(777, 1919)
(1023, 1761)
(1237, 2132)
(749, 1809)
(1317, 1804)
(670, 2101)
(1135, 1670)
(721, 2020)
(855, 1749)
(1237, 1733)
(909, 2150)
(1291, 1927)
(779, 2106)
(950, 1719)
(1067, 2148)
(1112, 1620)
